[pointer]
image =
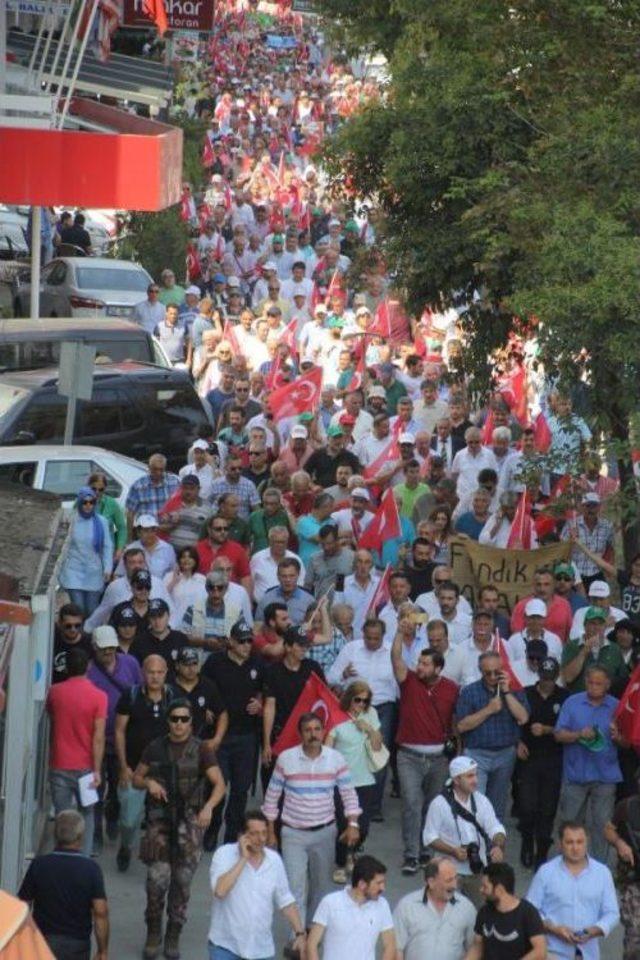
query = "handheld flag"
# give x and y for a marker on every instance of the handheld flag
(520, 537)
(229, 334)
(316, 697)
(627, 713)
(381, 595)
(541, 434)
(497, 645)
(385, 524)
(487, 430)
(298, 397)
(156, 11)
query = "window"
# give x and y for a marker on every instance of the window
(58, 275)
(108, 412)
(44, 418)
(65, 477)
(23, 473)
(110, 278)
(114, 488)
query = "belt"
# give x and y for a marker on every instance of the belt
(419, 753)
(319, 826)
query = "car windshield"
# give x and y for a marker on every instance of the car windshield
(46, 353)
(12, 232)
(108, 278)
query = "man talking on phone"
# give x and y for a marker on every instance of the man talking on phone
(489, 716)
(247, 879)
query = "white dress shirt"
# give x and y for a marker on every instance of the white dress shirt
(205, 475)
(357, 597)
(429, 603)
(373, 666)
(242, 921)
(160, 560)
(468, 467)
(470, 653)
(501, 537)
(577, 624)
(264, 571)
(517, 645)
(441, 824)
(454, 664)
(362, 427)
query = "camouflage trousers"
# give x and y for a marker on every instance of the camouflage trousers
(629, 897)
(169, 878)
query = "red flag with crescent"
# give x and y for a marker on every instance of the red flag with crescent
(229, 334)
(627, 714)
(498, 646)
(385, 524)
(316, 697)
(520, 534)
(298, 397)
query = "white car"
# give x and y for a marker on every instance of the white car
(64, 469)
(84, 287)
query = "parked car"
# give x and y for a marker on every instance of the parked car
(62, 470)
(136, 409)
(32, 345)
(83, 287)
(13, 245)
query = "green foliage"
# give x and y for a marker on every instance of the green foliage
(157, 240)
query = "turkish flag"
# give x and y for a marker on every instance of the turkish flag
(193, 263)
(155, 9)
(498, 647)
(385, 524)
(627, 714)
(186, 202)
(541, 434)
(316, 697)
(391, 452)
(208, 156)
(513, 389)
(298, 397)
(381, 595)
(520, 533)
(289, 336)
(487, 430)
(229, 334)
(381, 326)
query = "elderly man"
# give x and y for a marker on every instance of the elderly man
(468, 463)
(171, 293)
(599, 595)
(444, 444)
(264, 563)
(149, 494)
(535, 613)
(298, 450)
(287, 590)
(207, 624)
(150, 313)
(159, 555)
(234, 482)
(358, 588)
(590, 649)
(436, 919)
(497, 529)
(593, 532)
(356, 517)
(353, 405)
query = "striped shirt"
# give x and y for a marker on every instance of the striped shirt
(308, 785)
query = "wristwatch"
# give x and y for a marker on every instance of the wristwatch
(350, 823)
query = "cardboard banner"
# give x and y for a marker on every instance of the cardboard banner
(510, 571)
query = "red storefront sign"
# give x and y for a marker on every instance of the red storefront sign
(181, 14)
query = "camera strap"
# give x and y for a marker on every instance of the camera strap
(469, 815)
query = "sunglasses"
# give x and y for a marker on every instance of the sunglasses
(364, 700)
(242, 389)
(180, 718)
(492, 673)
(89, 502)
(72, 626)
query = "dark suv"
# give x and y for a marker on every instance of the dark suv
(136, 409)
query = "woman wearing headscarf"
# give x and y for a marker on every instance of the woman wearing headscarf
(88, 563)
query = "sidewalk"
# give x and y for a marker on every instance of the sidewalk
(127, 895)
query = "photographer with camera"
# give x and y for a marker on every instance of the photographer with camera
(424, 738)
(461, 823)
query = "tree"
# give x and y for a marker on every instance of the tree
(505, 157)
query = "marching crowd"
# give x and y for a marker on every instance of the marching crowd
(286, 606)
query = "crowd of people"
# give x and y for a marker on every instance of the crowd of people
(199, 615)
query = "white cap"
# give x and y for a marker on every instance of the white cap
(591, 497)
(299, 432)
(599, 589)
(269, 265)
(104, 637)
(199, 445)
(192, 291)
(361, 492)
(535, 608)
(376, 391)
(406, 437)
(145, 520)
(320, 308)
(460, 766)
(233, 282)
(334, 223)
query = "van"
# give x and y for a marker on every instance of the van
(35, 344)
(135, 409)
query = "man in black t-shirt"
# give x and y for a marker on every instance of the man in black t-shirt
(66, 891)
(77, 235)
(322, 464)
(507, 928)
(240, 678)
(68, 635)
(141, 716)
(159, 637)
(210, 716)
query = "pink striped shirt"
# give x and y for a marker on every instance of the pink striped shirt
(308, 784)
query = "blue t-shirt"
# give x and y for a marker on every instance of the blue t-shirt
(467, 523)
(579, 763)
(307, 527)
(61, 886)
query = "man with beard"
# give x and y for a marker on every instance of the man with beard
(507, 927)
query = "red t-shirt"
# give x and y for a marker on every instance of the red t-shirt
(558, 619)
(231, 550)
(421, 722)
(74, 705)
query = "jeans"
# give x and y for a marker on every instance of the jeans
(495, 768)
(308, 860)
(87, 600)
(67, 948)
(421, 779)
(221, 953)
(591, 804)
(237, 760)
(65, 794)
(388, 717)
(131, 811)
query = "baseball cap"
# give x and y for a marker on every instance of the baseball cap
(299, 432)
(320, 308)
(187, 655)
(335, 431)
(295, 635)
(141, 578)
(190, 480)
(306, 417)
(104, 638)
(199, 445)
(595, 613)
(233, 282)
(219, 278)
(361, 492)
(406, 438)
(158, 607)
(591, 497)
(377, 392)
(535, 608)
(277, 238)
(347, 420)
(460, 766)
(269, 265)
(125, 617)
(563, 568)
(192, 290)
(599, 588)
(363, 311)
(241, 631)
(549, 668)
(536, 649)
(145, 520)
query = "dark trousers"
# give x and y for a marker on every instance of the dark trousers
(388, 716)
(365, 799)
(237, 759)
(108, 805)
(538, 796)
(66, 948)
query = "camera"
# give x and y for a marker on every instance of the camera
(473, 858)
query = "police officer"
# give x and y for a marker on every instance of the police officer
(184, 784)
(210, 715)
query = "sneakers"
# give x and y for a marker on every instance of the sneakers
(340, 875)
(123, 859)
(410, 866)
